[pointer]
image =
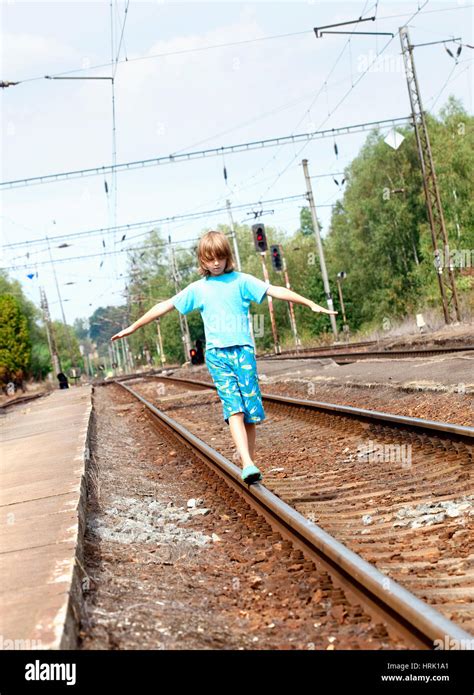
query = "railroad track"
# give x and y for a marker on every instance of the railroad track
(348, 357)
(22, 399)
(325, 348)
(283, 504)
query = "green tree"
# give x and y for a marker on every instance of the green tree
(38, 367)
(66, 341)
(15, 344)
(379, 234)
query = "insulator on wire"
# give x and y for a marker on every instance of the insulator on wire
(123, 238)
(106, 187)
(225, 174)
(458, 52)
(103, 243)
(336, 150)
(448, 51)
(343, 181)
(336, 181)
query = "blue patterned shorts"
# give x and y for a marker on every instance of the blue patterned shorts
(234, 373)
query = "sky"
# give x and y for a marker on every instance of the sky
(191, 76)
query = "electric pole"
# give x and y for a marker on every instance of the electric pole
(49, 332)
(319, 245)
(66, 327)
(276, 340)
(159, 343)
(439, 236)
(183, 323)
(233, 236)
(290, 304)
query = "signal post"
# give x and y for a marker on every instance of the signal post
(261, 246)
(279, 264)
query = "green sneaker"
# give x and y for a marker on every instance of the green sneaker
(251, 474)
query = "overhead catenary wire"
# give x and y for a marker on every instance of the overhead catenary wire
(449, 80)
(225, 45)
(125, 250)
(315, 98)
(307, 111)
(212, 152)
(104, 231)
(343, 98)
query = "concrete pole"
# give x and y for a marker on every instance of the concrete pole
(234, 237)
(319, 245)
(290, 304)
(276, 342)
(160, 343)
(185, 335)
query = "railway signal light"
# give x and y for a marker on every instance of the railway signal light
(259, 237)
(197, 353)
(277, 262)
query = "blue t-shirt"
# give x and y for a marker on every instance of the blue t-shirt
(223, 301)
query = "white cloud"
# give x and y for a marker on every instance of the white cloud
(32, 55)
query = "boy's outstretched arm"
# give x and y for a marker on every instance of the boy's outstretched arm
(290, 296)
(154, 313)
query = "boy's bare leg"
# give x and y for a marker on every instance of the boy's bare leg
(250, 429)
(239, 432)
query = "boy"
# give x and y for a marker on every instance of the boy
(223, 296)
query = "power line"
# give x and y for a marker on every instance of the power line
(77, 258)
(448, 81)
(308, 110)
(199, 154)
(184, 51)
(222, 45)
(343, 98)
(121, 38)
(103, 254)
(104, 231)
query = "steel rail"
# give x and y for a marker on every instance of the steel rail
(379, 354)
(463, 432)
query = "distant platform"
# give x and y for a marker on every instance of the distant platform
(42, 500)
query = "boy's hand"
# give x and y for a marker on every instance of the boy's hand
(122, 334)
(321, 310)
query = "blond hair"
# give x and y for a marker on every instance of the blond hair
(214, 245)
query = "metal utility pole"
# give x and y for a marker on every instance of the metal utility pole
(126, 352)
(341, 276)
(66, 328)
(116, 355)
(238, 263)
(319, 244)
(49, 332)
(233, 236)
(183, 323)
(159, 344)
(439, 236)
(290, 304)
(276, 341)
